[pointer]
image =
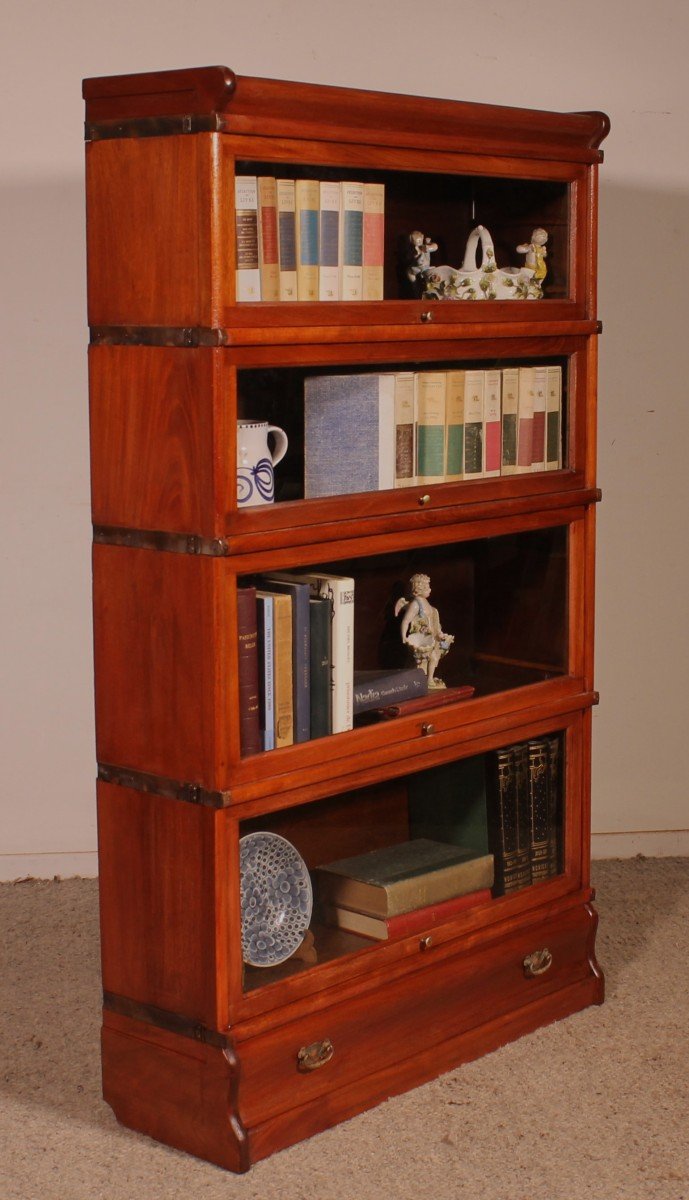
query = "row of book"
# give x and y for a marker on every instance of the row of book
(308, 239)
(512, 839)
(371, 432)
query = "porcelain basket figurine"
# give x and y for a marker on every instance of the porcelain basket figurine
(472, 281)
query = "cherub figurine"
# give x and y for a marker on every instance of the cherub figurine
(536, 254)
(420, 629)
(419, 250)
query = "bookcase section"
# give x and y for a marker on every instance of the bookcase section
(342, 416)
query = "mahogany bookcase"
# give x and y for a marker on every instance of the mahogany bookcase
(200, 1051)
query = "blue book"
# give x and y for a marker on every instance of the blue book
(266, 668)
(349, 434)
(301, 649)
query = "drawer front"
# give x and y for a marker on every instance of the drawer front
(346, 1042)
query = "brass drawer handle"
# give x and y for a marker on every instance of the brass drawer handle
(537, 963)
(310, 1058)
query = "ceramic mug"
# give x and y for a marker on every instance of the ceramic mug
(255, 461)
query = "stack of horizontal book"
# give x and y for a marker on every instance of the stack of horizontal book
(370, 432)
(403, 889)
(308, 239)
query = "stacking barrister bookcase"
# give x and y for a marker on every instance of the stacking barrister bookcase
(225, 1059)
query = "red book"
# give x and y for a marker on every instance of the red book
(406, 924)
(247, 634)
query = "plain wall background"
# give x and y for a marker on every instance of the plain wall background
(626, 59)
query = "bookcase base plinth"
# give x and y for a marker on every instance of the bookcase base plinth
(236, 1106)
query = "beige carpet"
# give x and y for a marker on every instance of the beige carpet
(593, 1108)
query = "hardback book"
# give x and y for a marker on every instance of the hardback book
(454, 426)
(539, 810)
(525, 419)
(554, 419)
(509, 831)
(405, 430)
(538, 445)
(287, 238)
(473, 424)
(248, 275)
(284, 698)
(401, 878)
(339, 590)
(405, 924)
(265, 606)
(431, 389)
(375, 689)
(307, 211)
(373, 240)
(435, 699)
(352, 241)
(268, 238)
(321, 614)
(349, 426)
(247, 631)
(300, 592)
(554, 745)
(329, 241)
(510, 407)
(492, 423)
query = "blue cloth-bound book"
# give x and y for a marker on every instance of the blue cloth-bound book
(349, 434)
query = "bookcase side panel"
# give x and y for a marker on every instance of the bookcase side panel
(148, 231)
(158, 902)
(160, 456)
(158, 677)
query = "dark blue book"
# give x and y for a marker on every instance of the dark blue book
(321, 610)
(301, 649)
(376, 689)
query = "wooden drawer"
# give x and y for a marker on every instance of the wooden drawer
(356, 1038)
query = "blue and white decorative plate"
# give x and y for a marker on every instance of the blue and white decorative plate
(276, 898)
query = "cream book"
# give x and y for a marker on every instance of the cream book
(283, 692)
(248, 275)
(431, 387)
(352, 241)
(538, 442)
(308, 204)
(491, 423)
(554, 419)
(473, 424)
(405, 430)
(268, 238)
(287, 238)
(525, 420)
(329, 241)
(454, 425)
(510, 405)
(373, 240)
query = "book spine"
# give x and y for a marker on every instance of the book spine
(287, 238)
(538, 793)
(373, 240)
(352, 238)
(405, 430)
(512, 855)
(492, 422)
(284, 703)
(268, 238)
(248, 275)
(329, 242)
(388, 689)
(406, 924)
(525, 420)
(457, 880)
(307, 203)
(266, 664)
(554, 419)
(538, 447)
(342, 592)
(510, 406)
(247, 632)
(430, 426)
(473, 424)
(320, 610)
(454, 426)
(554, 746)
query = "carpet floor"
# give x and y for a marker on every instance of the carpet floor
(595, 1107)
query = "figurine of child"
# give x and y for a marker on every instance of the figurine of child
(419, 252)
(420, 629)
(536, 254)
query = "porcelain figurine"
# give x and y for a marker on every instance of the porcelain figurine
(536, 254)
(420, 628)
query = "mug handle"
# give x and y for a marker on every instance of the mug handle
(280, 449)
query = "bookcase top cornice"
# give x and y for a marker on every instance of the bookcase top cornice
(216, 98)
